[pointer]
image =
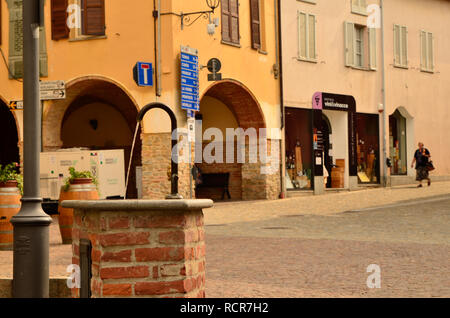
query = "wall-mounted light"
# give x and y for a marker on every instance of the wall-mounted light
(186, 17)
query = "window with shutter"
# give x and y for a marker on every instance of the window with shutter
(360, 46)
(306, 36)
(230, 21)
(400, 46)
(359, 7)
(426, 56)
(59, 17)
(255, 24)
(93, 15)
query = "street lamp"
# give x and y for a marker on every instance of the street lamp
(31, 224)
(213, 4)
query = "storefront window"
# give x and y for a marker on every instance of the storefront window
(397, 143)
(298, 149)
(367, 149)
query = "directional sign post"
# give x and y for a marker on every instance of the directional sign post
(189, 79)
(52, 90)
(16, 105)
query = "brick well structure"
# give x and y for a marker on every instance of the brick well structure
(142, 248)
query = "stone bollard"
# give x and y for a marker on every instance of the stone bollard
(141, 248)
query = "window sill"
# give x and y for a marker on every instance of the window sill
(262, 52)
(401, 66)
(308, 1)
(360, 12)
(231, 43)
(301, 59)
(427, 71)
(88, 37)
(367, 69)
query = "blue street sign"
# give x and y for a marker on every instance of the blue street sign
(189, 79)
(189, 82)
(143, 74)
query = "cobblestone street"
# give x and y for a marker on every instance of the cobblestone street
(320, 246)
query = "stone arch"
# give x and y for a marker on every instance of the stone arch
(245, 179)
(84, 96)
(240, 100)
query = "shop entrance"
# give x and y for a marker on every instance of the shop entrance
(327, 150)
(368, 148)
(9, 150)
(397, 143)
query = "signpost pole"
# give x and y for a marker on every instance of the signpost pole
(31, 224)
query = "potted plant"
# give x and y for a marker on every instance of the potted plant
(79, 177)
(9, 178)
(11, 186)
(80, 185)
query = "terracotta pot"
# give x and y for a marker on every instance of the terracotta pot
(9, 184)
(80, 189)
(9, 206)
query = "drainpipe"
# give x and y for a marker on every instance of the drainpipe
(157, 44)
(383, 92)
(279, 56)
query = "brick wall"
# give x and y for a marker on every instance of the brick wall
(143, 254)
(156, 160)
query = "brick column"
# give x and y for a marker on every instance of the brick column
(156, 160)
(142, 248)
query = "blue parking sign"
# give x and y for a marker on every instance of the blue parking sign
(143, 74)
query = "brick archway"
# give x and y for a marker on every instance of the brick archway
(245, 180)
(240, 100)
(85, 92)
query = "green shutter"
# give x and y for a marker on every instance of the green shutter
(349, 30)
(302, 35)
(372, 49)
(311, 36)
(430, 52)
(423, 50)
(396, 44)
(404, 46)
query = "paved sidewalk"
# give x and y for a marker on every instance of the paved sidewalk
(318, 246)
(327, 204)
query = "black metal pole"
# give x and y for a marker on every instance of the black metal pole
(31, 224)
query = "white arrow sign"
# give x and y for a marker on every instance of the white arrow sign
(52, 85)
(53, 94)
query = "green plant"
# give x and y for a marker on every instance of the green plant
(9, 173)
(77, 175)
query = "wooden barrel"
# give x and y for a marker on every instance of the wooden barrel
(80, 189)
(9, 206)
(337, 177)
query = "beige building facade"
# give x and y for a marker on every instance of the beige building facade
(93, 46)
(333, 56)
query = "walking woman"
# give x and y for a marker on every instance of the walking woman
(421, 158)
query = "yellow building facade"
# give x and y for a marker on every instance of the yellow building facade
(93, 45)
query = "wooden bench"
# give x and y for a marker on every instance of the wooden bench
(215, 180)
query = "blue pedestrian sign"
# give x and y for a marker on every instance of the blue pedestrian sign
(143, 74)
(189, 79)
